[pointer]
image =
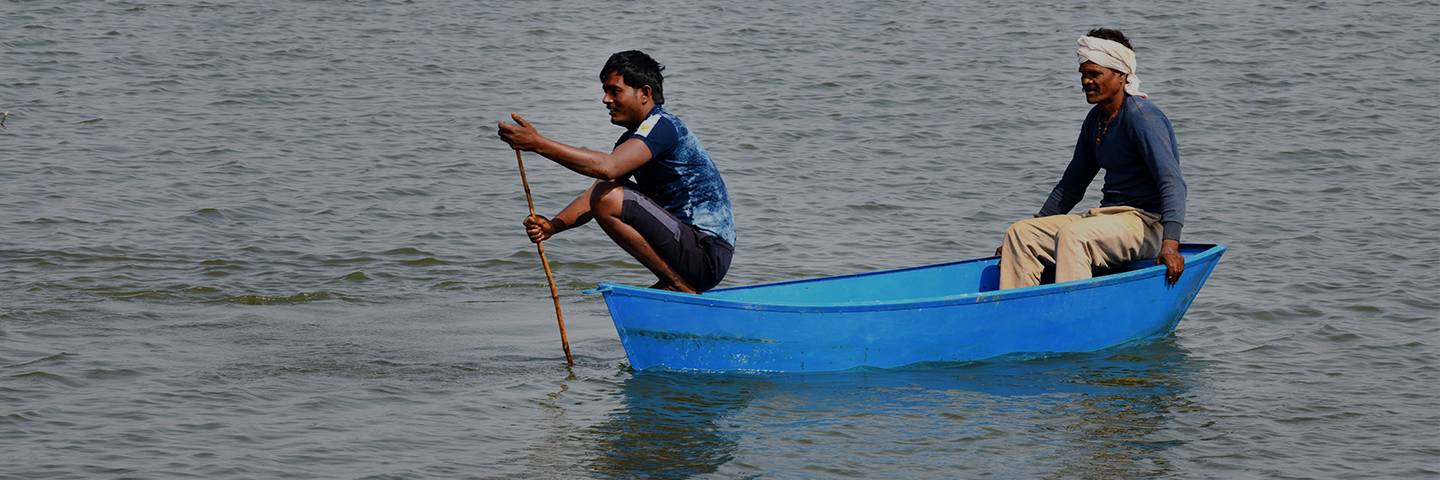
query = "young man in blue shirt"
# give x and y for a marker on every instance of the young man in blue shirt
(1143, 207)
(657, 194)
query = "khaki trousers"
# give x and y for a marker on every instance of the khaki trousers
(1102, 237)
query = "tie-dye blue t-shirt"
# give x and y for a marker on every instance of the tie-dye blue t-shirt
(680, 176)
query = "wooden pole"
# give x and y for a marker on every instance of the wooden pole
(554, 294)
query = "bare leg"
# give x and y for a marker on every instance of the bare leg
(606, 202)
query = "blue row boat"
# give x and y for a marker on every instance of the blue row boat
(945, 313)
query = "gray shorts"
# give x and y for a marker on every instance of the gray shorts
(700, 258)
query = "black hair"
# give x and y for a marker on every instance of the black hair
(1111, 35)
(638, 70)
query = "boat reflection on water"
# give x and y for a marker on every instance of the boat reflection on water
(673, 425)
(1101, 415)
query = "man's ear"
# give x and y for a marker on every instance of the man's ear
(645, 90)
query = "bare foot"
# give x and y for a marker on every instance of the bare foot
(673, 287)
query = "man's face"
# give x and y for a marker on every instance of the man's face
(1100, 83)
(628, 106)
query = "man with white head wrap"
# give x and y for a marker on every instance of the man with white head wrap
(1143, 208)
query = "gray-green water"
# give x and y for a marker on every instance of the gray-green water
(275, 239)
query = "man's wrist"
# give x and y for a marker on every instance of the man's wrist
(1170, 247)
(1171, 230)
(539, 145)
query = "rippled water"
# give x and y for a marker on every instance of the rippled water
(279, 239)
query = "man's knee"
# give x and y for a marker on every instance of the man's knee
(607, 198)
(1013, 230)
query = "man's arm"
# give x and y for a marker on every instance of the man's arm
(1156, 140)
(624, 159)
(575, 214)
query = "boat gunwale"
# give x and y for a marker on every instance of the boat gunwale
(1206, 254)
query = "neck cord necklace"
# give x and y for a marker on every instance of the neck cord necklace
(1105, 125)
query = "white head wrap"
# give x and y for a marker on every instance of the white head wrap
(1112, 55)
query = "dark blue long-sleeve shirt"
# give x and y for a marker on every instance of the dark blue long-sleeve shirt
(1141, 162)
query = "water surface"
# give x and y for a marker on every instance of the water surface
(269, 239)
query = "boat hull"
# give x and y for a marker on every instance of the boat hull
(895, 319)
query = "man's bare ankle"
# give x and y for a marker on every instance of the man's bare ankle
(663, 285)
